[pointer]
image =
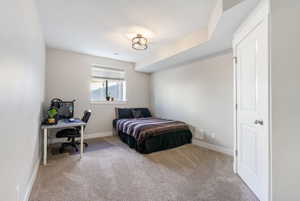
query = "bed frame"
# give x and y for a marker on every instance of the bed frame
(158, 143)
(155, 143)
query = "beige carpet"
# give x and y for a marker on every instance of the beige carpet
(110, 171)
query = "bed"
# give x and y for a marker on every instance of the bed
(139, 130)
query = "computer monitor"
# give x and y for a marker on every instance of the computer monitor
(66, 110)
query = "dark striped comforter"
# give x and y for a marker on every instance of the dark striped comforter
(143, 128)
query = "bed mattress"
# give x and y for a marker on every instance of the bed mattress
(147, 135)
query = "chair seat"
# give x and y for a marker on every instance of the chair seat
(69, 132)
(72, 133)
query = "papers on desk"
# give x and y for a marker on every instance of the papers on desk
(72, 120)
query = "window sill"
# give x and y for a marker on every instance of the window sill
(109, 102)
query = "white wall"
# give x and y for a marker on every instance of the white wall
(285, 71)
(22, 93)
(199, 93)
(68, 77)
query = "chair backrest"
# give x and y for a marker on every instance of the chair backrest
(86, 116)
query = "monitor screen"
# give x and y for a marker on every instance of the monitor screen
(66, 110)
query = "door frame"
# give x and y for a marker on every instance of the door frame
(258, 15)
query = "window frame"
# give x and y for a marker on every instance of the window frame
(107, 79)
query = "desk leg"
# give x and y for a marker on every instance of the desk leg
(81, 142)
(45, 146)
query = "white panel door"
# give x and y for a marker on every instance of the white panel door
(252, 85)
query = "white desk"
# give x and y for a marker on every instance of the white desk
(62, 124)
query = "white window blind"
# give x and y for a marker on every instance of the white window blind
(107, 84)
(108, 73)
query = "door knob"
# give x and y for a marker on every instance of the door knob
(260, 122)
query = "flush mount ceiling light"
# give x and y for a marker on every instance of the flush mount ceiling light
(139, 42)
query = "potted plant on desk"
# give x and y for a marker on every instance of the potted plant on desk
(51, 116)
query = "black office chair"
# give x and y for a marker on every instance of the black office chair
(73, 133)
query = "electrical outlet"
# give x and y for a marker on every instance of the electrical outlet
(213, 135)
(192, 128)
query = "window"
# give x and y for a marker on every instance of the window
(107, 84)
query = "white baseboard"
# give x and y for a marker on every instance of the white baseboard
(97, 135)
(32, 180)
(213, 147)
